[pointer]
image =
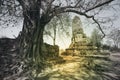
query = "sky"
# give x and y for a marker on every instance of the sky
(62, 40)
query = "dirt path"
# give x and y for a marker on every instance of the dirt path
(74, 69)
(66, 71)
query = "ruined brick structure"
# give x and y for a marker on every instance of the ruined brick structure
(79, 40)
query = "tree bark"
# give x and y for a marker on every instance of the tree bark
(32, 35)
(54, 37)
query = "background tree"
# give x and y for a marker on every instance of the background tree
(52, 27)
(114, 35)
(96, 38)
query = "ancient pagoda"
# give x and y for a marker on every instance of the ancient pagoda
(79, 41)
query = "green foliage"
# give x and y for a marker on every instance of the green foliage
(96, 38)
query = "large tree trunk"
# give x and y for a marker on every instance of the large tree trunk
(32, 35)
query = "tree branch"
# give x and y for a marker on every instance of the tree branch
(21, 2)
(87, 16)
(99, 5)
(74, 9)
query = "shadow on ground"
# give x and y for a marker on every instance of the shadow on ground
(82, 68)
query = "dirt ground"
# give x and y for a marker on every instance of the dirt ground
(73, 69)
